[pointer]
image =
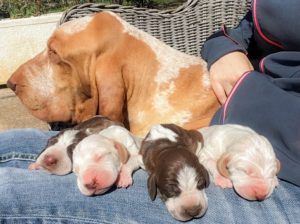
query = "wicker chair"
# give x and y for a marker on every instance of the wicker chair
(185, 28)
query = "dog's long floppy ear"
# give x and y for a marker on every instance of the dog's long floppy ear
(196, 138)
(122, 151)
(152, 188)
(222, 164)
(204, 183)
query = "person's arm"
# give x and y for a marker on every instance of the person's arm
(225, 53)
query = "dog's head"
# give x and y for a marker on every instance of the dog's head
(252, 167)
(55, 158)
(59, 83)
(97, 161)
(175, 172)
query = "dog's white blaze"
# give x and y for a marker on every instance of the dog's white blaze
(205, 79)
(158, 132)
(141, 117)
(187, 179)
(160, 102)
(41, 79)
(76, 26)
(181, 117)
(162, 106)
(170, 59)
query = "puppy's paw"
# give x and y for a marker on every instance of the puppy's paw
(125, 178)
(223, 182)
(34, 166)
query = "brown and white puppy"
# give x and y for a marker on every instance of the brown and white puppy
(102, 65)
(174, 170)
(238, 157)
(56, 157)
(106, 159)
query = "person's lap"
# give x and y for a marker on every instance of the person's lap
(35, 197)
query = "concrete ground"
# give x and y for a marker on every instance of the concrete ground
(14, 115)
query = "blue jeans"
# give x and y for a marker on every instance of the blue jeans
(36, 197)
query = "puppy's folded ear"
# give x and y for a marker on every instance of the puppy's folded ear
(206, 177)
(152, 188)
(203, 180)
(196, 137)
(122, 151)
(222, 165)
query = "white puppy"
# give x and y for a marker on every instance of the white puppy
(104, 159)
(236, 156)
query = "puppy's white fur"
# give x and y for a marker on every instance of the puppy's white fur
(58, 151)
(158, 132)
(249, 160)
(189, 195)
(96, 159)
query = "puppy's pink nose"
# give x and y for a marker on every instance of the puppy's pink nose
(94, 180)
(92, 185)
(260, 195)
(50, 160)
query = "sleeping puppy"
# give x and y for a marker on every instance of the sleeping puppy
(106, 159)
(238, 157)
(56, 157)
(174, 170)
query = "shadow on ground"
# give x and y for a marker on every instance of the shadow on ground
(14, 115)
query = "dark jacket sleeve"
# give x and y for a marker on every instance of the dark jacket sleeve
(228, 40)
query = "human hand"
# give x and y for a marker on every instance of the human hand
(226, 71)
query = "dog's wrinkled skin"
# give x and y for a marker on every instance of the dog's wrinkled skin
(103, 65)
(56, 157)
(106, 159)
(174, 170)
(238, 157)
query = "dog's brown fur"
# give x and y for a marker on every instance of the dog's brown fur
(110, 68)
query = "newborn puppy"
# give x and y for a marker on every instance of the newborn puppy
(174, 170)
(56, 157)
(105, 159)
(238, 157)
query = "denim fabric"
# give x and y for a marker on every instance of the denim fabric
(36, 197)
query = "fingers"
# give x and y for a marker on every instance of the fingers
(220, 92)
(227, 88)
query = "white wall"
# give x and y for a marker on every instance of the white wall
(21, 39)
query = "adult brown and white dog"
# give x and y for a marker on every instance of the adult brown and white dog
(236, 156)
(174, 170)
(103, 65)
(106, 159)
(56, 157)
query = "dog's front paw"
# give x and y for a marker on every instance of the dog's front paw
(34, 166)
(222, 182)
(125, 178)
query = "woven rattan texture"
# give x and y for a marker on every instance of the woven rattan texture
(185, 28)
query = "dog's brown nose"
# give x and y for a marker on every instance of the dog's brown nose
(11, 85)
(193, 211)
